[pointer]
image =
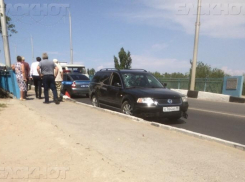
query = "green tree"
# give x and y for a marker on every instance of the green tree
(179, 75)
(243, 91)
(206, 71)
(157, 74)
(124, 61)
(175, 75)
(10, 26)
(92, 71)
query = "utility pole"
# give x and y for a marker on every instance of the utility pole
(71, 46)
(32, 47)
(5, 34)
(15, 50)
(194, 63)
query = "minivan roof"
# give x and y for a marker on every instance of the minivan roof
(124, 70)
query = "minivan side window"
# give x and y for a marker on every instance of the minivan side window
(105, 77)
(116, 81)
(97, 77)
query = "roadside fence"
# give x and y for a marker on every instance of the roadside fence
(8, 82)
(214, 85)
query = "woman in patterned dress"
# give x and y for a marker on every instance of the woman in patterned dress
(20, 76)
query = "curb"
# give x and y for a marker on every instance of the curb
(210, 96)
(166, 127)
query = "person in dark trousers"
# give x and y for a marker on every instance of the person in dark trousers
(27, 71)
(36, 78)
(47, 70)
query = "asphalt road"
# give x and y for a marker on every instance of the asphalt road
(217, 119)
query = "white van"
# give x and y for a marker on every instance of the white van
(74, 68)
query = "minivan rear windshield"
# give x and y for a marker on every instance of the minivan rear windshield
(79, 77)
(142, 80)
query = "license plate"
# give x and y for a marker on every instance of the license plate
(84, 86)
(171, 109)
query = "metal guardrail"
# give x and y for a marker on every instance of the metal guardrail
(213, 85)
(243, 91)
(8, 82)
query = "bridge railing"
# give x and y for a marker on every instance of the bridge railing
(213, 85)
(8, 82)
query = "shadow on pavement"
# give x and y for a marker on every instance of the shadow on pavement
(166, 121)
(157, 120)
(79, 97)
(29, 98)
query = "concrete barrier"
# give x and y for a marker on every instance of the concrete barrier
(210, 96)
(213, 96)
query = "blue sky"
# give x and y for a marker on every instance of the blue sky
(159, 36)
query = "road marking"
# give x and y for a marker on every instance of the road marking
(221, 102)
(214, 112)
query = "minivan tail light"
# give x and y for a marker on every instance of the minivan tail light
(73, 85)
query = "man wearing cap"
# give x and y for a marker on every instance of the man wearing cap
(46, 72)
(59, 78)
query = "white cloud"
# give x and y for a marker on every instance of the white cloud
(79, 63)
(53, 53)
(99, 68)
(160, 64)
(215, 23)
(104, 65)
(2, 64)
(158, 47)
(233, 72)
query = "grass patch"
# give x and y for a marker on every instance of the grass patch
(3, 105)
(3, 94)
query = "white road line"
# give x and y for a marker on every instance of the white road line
(214, 112)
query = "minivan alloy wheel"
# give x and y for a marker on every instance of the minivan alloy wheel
(127, 108)
(95, 101)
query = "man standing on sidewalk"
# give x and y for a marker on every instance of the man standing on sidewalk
(36, 78)
(27, 71)
(59, 78)
(47, 70)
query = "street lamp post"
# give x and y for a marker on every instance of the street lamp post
(15, 50)
(71, 46)
(5, 34)
(194, 63)
(32, 49)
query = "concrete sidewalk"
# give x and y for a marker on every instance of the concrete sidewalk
(92, 145)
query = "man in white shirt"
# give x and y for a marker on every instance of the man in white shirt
(36, 78)
(59, 78)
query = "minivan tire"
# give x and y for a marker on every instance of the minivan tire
(95, 101)
(127, 108)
